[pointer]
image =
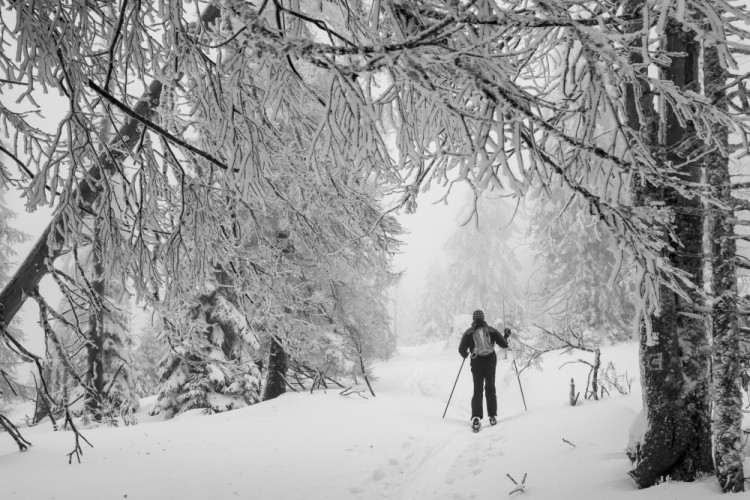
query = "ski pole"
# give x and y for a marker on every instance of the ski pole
(515, 366)
(454, 387)
(518, 376)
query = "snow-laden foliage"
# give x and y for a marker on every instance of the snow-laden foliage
(580, 280)
(209, 364)
(500, 95)
(148, 351)
(434, 319)
(9, 238)
(482, 268)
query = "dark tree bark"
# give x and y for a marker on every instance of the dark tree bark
(687, 255)
(278, 364)
(595, 373)
(727, 427)
(95, 355)
(675, 363)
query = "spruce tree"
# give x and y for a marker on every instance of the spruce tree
(10, 237)
(433, 319)
(482, 266)
(582, 280)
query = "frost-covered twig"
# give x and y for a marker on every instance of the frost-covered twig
(574, 340)
(611, 378)
(52, 335)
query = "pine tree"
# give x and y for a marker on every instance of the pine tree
(150, 348)
(210, 363)
(582, 280)
(433, 320)
(9, 238)
(482, 265)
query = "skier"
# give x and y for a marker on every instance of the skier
(479, 340)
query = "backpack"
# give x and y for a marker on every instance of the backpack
(482, 341)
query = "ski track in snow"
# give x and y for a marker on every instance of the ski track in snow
(433, 473)
(433, 468)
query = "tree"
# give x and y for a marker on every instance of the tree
(727, 362)
(675, 352)
(9, 238)
(148, 351)
(209, 365)
(482, 265)
(88, 344)
(286, 79)
(434, 319)
(580, 280)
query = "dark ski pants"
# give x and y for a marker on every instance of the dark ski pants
(483, 372)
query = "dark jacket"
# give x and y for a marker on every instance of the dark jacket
(467, 340)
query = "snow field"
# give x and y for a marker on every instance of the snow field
(394, 446)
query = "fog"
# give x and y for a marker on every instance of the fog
(427, 231)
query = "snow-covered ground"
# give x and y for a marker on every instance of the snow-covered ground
(394, 446)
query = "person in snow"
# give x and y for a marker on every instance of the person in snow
(479, 340)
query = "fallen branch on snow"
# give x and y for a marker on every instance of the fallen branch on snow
(349, 391)
(519, 487)
(11, 429)
(77, 451)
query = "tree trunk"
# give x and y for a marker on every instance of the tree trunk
(727, 429)
(665, 441)
(95, 361)
(675, 365)
(277, 368)
(687, 255)
(595, 373)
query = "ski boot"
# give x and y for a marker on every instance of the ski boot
(475, 424)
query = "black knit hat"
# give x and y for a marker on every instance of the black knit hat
(477, 316)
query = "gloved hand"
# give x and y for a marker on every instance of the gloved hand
(464, 354)
(507, 333)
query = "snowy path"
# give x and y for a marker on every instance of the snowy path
(454, 457)
(396, 446)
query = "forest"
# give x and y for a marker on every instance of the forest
(238, 172)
